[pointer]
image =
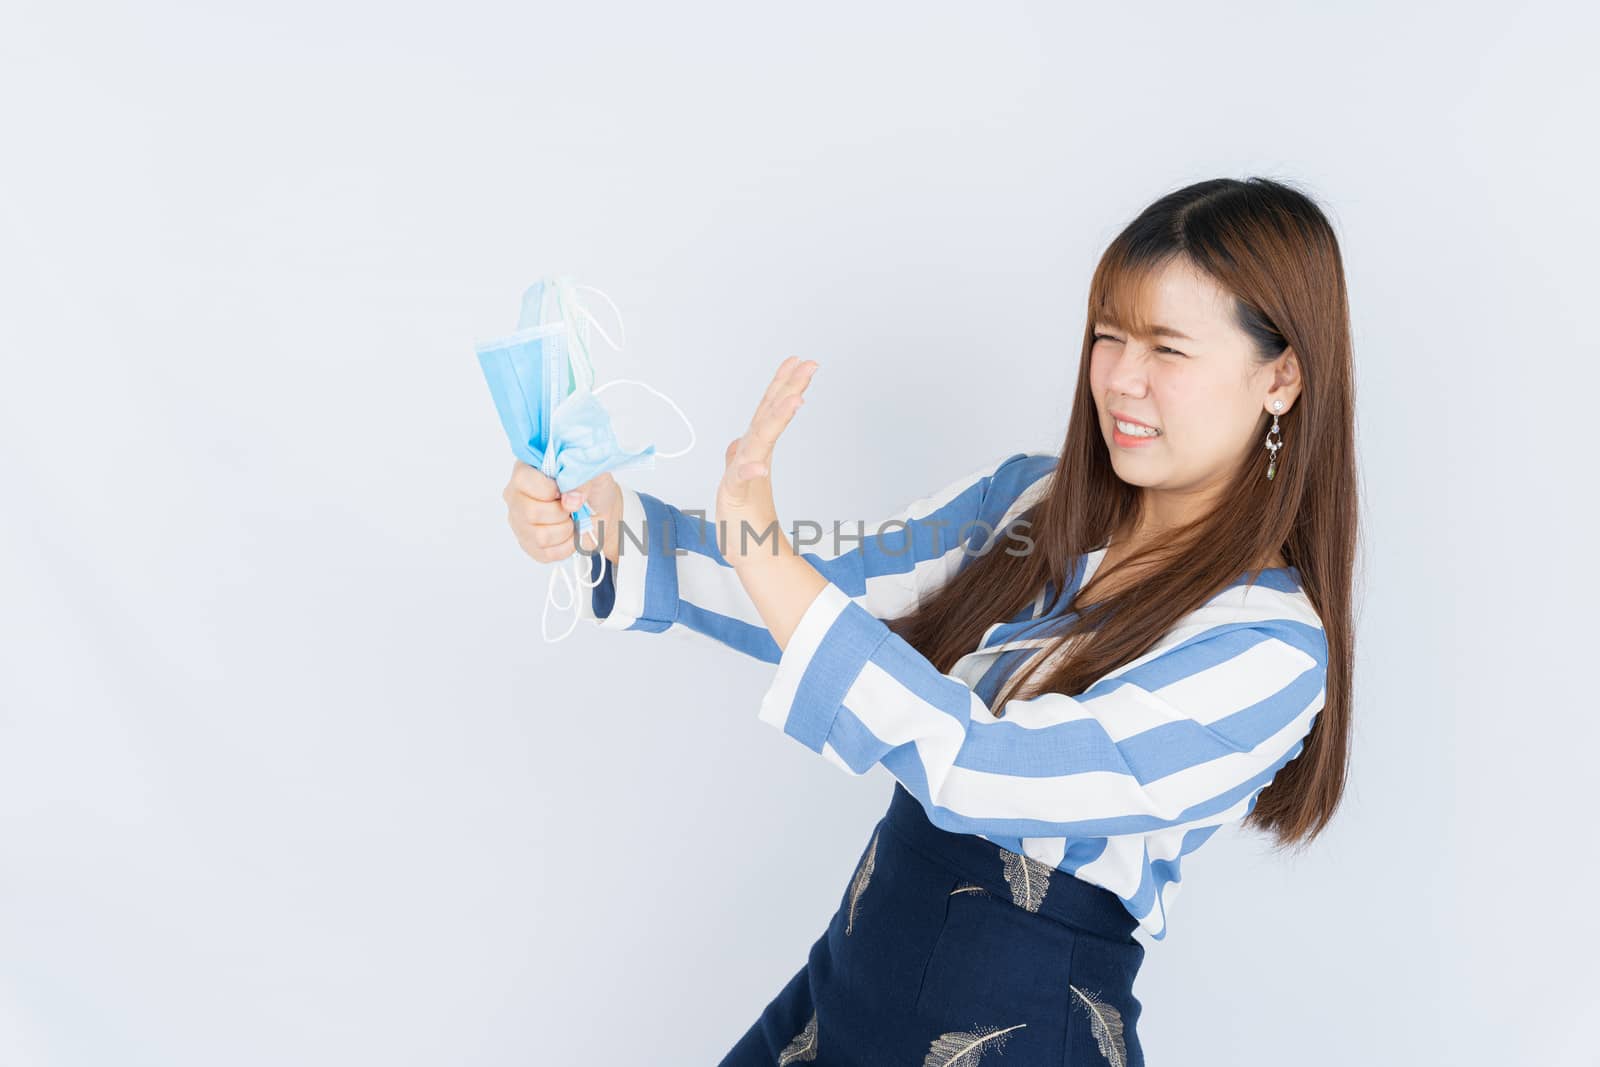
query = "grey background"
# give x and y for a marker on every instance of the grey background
(286, 774)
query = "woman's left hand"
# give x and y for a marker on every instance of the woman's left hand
(747, 519)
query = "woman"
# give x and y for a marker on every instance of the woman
(1160, 647)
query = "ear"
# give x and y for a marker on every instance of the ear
(1286, 381)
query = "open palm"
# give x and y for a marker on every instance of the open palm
(747, 519)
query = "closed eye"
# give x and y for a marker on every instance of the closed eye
(1159, 348)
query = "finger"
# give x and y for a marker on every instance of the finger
(549, 555)
(739, 470)
(753, 456)
(530, 482)
(764, 432)
(792, 375)
(778, 378)
(528, 512)
(778, 405)
(774, 418)
(551, 535)
(792, 384)
(778, 382)
(545, 541)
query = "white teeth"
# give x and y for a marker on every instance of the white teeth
(1134, 430)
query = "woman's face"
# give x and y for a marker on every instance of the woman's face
(1201, 387)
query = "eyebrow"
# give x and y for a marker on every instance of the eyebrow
(1161, 331)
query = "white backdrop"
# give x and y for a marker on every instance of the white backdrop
(286, 773)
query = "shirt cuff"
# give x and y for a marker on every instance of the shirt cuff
(832, 643)
(640, 590)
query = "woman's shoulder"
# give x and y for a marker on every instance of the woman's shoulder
(1017, 481)
(1272, 603)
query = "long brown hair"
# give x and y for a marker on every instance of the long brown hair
(1270, 246)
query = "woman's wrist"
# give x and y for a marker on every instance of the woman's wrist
(609, 527)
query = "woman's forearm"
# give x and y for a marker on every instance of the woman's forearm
(782, 586)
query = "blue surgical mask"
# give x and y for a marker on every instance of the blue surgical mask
(541, 378)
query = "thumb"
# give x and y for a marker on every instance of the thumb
(749, 469)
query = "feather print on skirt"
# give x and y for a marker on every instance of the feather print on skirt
(858, 884)
(1105, 1023)
(968, 887)
(803, 1048)
(1028, 879)
(962, 1049)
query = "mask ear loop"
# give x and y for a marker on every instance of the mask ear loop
(663, 396)
(577, 583)
(622, 333)
(621, 329)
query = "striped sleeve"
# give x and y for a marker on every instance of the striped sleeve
(1190, 729)
(671, 576)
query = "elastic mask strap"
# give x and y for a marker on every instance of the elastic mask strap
(621, 330)
(663, 396)
(577, 583)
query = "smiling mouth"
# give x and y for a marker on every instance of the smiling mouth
(1130, 429)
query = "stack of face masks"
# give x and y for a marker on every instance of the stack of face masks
(542, 378)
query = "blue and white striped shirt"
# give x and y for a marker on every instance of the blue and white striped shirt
(1114, 786)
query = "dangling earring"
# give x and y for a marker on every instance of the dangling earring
(1273, 446)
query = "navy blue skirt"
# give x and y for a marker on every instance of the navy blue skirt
(947, 948)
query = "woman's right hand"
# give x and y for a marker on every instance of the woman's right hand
(541, 516)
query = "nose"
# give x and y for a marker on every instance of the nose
(1128, 377)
